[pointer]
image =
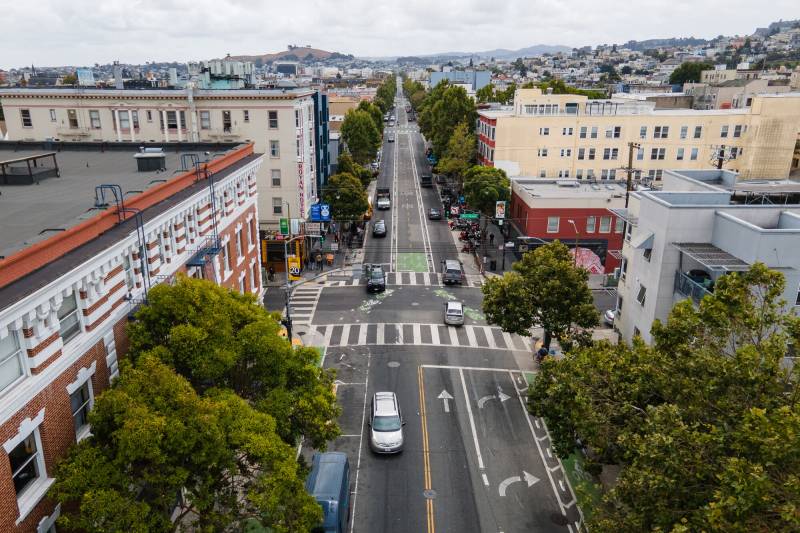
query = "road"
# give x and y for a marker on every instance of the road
(474, 459)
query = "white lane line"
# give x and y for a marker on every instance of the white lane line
(485, 480)
(487, 330)
(480, 368)
(453, 335)
(345, 335)
(416, 333)
(379, 334)
(561, 484)
(399, 329)
(471, 419)
(554, 468)
(549, 454)
(434, 334)
(327, 338)
(536, 420)
(362, 335)
(360, 443)
(471, 336)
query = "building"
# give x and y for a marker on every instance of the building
(569, 136)
(281, 124)
(700, 226)
(721, 75)
(322, 139)
(573, 212)
(475, 79)
(75, 263)
(287, 68)
(732, 94)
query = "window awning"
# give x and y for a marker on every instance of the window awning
(643, 240)
(625, 214)
(712, 257)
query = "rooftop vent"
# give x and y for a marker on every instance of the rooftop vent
(150, 159)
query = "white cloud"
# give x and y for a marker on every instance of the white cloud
(56, 32)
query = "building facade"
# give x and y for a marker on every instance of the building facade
(568, 136)
(280, 124)
(704, 224)
(65, 300)
(475, 79)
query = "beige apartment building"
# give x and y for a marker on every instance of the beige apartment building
(570, 136)
(279, 123)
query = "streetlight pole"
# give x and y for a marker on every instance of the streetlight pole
(575, 227)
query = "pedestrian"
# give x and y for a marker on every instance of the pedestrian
(541, 354)
(318, 258)
(271, 274)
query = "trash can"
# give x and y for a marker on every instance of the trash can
(493, 265)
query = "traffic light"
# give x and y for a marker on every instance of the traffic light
(322, 238)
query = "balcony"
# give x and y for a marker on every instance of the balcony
(690, 286)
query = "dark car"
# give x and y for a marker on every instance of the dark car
(376, 278)
(434, 214)
(379, 229)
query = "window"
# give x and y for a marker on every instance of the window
(623, 269)
(239, 243)
(566, 131)
(594, 132)
(579, 173)
(273, 119)
(641, 297)
(581, 153)
(698, 131)
(246, 114)
(591, 153)
(590, 174)
(679, 155)
(11, 361)
(590, 222)
(25, 114)
(226, 121)
(643, 132)
(205, 120)
(274, 148)
(563, 173)
(544, 131)
(582, 133)
(647, 254)
(52, 115)
(610, 153)
(613, 132)
(124, 121)
(723, 132)
(297, 118)
(277, 206)
(658, 153)
(227, 253)
(127, 265)
(619, 225)
(542, 152)
(81, 403)
(27, 463)
(542, 173)
(684, 131)
(241, 284)
(552, 224)
(135, 119)
(69, 322)
(149, 116)
(660, 132)
(566, 152)
(693, 155)
(276, 177)
(737, 131)
(605, 224)
(640, 154)
(250, 241)
(94, 119)
(608, 174)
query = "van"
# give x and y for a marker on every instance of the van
(329, 483)
(452, 272)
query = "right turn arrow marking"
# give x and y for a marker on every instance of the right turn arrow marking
(530, 479)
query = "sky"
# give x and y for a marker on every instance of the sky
(84, 32)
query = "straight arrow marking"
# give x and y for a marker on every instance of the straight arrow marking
(446, 397)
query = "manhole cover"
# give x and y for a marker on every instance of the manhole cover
(301, 333)
(392, 364)
(559, 519)
(431, 495)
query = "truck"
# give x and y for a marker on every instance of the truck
(383, 198)
(425, 180)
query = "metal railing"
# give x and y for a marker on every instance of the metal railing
(685, 286)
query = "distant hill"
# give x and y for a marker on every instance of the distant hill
(641, 46)
(294, 53)
(499, 53)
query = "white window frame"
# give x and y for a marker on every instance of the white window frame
(77, 314)
(245, 115)
(550, 228)
(274, 148)
(23, 119)
(48, 523)
(238, 237)
(684, 132)
(605, 224)
(590, 224)
(272, 120)
(33, 493)
(20, 355)
(679, 154)
(698, 132)
(205, 120)
(277, 208)
(53, 117)
(84, 377)
(94, 119)
(723, 131)
(275, 173)
(641, 295)
(693, 154)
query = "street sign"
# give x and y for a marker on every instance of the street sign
(334, 247)
(284, 226)
(313, 228)
(454, 210)
(469, 216)
(325, 212)
(294, 267)
(500, 209)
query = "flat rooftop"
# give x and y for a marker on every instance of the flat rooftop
(539, 188)
(32, 213)
(157, 93)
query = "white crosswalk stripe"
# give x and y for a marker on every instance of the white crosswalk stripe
(304, 302)
(408, 278)
(415, 334)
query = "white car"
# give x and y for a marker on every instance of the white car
(385, 424)
(454, 313)
(608, 317)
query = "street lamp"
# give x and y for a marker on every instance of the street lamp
(575, 227)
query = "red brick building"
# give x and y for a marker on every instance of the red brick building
(570, 211)
(80, 246)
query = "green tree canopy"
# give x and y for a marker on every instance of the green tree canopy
(485, 94)
(460, 153)
(688, 72)
(705, 423)
(484, 187)
(153, 438)
(346, 196)
(219, 338)
(360, 135)
(348, 166)
(545, 290)
(384, 98)
(445, 107)
(559, 87)
(374, 111)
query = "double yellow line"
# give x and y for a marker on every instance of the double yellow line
(425, 452)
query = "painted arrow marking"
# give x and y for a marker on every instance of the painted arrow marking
(446, 397)
(499, 396)
(530, 479)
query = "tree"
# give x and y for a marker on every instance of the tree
(520, 67)
(360, 135)
(545, 290)
(688, 72)
(154, 438)
(485, 94)
(626, 70)
(384, 98)
(460, 152)
(374, 111)
(484, 186)
(507, 96)
(704, 424)
(445, 107)
(348, 166)
(69, 79)
(217, 338)
(346, 196)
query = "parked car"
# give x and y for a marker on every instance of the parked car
(434, 214)
(386, 424)
(379, 228)
(454, 313)
(328, 482)
(608, 317)
(452, 272)
(376, 278)
(391, 138)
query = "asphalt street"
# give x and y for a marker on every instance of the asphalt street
(473, 458)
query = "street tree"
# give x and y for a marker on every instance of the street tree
(460, 153)
(374, 111)
(346, 195)
(348, 166)
(445, 107)
(704, 425)
(218, 338)
(484, 187)
(384, 97)
(545, 289)
(360, 135)
(485, 94)
(688, 72)
(162, 458)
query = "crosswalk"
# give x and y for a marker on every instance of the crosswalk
(409, 278)
(469, 336)
(304, 302)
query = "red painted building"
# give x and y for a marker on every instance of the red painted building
(571, 211)
(486, 132)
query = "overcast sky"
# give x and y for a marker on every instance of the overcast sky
(84, 32)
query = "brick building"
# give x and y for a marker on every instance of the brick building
(572, 212)
(85, 234)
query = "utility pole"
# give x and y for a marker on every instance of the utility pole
(629, 168)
